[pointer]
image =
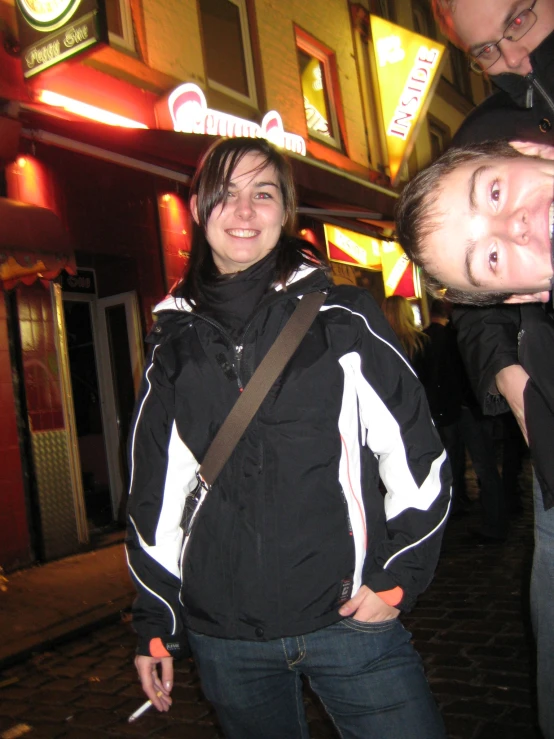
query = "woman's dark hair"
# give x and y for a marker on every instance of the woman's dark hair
(210, 185)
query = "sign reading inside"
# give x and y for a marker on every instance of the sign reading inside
(58, 29)
(408, 69)
(190, 114)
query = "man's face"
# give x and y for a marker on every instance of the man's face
(495, 224)
(479, 23)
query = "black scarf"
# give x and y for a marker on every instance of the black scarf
(232, 299)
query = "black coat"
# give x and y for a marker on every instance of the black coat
(493, 338)
(296, 521)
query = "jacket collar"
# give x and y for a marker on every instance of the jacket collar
(517, 86)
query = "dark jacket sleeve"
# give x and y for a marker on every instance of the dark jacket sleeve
(412, 462)
(536, 353)
(488, 342)
(160, 475)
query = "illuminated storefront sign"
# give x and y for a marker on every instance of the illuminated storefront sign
(190, 114)
(400, 276)
(349, 247)
(408, 68)
(53, 31)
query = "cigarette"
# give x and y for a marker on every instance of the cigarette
(142, 709)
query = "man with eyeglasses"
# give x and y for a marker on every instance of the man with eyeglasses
(512, 42)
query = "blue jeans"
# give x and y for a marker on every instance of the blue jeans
(542, 610)
(368, 676)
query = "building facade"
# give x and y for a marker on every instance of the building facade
(97, 149)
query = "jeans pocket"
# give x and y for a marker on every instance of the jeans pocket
(370, 626)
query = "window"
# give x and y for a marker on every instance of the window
(460, 70)
(439, 137)
(387, 10)
(227, 48)
(120, 24)
(423, 19)
(319, 89)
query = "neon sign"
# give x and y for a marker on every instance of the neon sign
(190, 114)
(413, 93)
(408, 69)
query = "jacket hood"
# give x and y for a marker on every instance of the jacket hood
(517, 86)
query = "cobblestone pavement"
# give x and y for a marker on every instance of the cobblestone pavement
(470, 628)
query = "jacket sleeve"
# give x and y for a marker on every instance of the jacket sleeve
(488, 342)
(162, 471)
(397, 426)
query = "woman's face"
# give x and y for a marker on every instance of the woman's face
(246, 226)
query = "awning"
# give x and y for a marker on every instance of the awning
(175, 155)
(33, 244)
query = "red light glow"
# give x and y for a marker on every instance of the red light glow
(87, 111)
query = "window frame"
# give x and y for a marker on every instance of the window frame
(127, 40)
(326, 56)
(434, 127)
(252, 98)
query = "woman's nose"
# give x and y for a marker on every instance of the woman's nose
(243, 206)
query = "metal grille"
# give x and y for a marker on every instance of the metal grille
(59, 525)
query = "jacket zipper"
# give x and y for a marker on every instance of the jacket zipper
(532, 78)
(237, 350)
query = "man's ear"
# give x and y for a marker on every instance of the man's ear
(542, 297)
(194, 209)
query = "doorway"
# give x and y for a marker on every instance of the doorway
(105, 358)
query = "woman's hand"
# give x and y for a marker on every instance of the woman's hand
(367, 606)
(156, 688)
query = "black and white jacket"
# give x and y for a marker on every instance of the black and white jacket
(296, 522)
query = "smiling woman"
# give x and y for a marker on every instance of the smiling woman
(275, 553)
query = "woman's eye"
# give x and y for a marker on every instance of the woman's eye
(264, 195)
(495, 192)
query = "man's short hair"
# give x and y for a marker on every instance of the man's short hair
(417, 217)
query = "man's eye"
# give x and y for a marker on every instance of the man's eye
(517, 24)
(495, 192)
(493, 259)
(487, 51)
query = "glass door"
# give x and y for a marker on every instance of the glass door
(120, 368)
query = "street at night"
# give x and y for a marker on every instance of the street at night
(471, 628)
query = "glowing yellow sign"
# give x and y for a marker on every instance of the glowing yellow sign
(400, 276)
(408, 69)
(349, 247)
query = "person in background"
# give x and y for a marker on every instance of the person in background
(480, 221)
(400, 316)
(293, 563)
(462, 426)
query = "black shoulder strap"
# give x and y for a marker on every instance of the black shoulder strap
(260, 383)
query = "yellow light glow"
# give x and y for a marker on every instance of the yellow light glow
(166, 198)
(87, 111)
(21, 162)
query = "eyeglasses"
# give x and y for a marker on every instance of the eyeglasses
(514, 31)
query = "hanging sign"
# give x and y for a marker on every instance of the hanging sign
(408, 69)
(53, 31)
(400, 276)
(190, 114)
(349, 247)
